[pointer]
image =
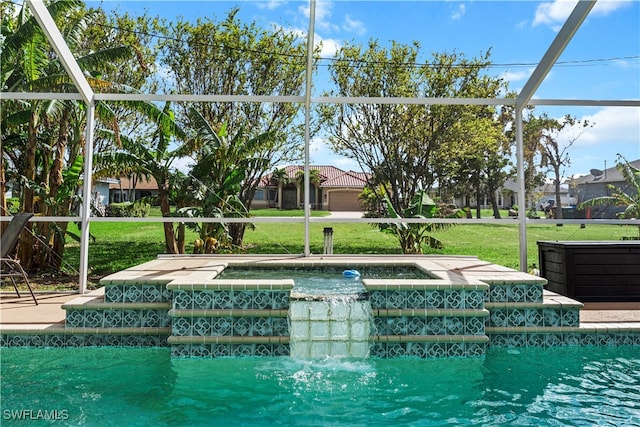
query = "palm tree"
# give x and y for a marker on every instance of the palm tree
(280, 178)
(45, 137)
(630, 200)
(314, 179)
(150, 157)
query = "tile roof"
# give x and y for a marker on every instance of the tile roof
(141, 184)
(330, 176)
(346, 179)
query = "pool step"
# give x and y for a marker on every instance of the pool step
(89, 320)
(551, 323)
(427, 318)
(225, 318)
(555, 311)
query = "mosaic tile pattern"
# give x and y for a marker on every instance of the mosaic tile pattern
(514, 293)
(589, 339)
(533, 317)
(229, 350)
(82, 340)
(230, 326)
(118, 318)
(132, 293)
(436, 325)
(426, 299)
(427, 350)
(516, 320)
(230, 299)
(191, 318)
(428, 321)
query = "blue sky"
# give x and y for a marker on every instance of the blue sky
(601, 62)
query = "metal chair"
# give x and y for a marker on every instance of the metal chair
(10, 268)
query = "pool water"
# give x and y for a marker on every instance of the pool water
(136, 386)
(324, 280)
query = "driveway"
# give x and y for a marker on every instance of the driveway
(346, 214)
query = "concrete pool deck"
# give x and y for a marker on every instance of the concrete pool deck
(21, 314)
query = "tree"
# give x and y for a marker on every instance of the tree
(533, 177)
(220, 169)
(43, 138)
(407, 148)
(233, 58)
(314, 180)
(280, 178)
(545, 131)
(479, 165)
(629, 199)
(148, 156)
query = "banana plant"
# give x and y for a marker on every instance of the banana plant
(413, 236)
(221, 169)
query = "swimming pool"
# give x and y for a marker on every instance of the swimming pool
(136, 386)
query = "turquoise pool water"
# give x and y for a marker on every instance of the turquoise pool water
(141, 387)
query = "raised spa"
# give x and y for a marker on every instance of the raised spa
(397, 306)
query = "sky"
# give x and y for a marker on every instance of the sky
(602, 61)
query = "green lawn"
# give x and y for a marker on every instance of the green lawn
(121, 245)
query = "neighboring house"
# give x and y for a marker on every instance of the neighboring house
(596, 185)
(128, 190)
(336, 190)
(547, 191)
(507, 196)
(100, 195)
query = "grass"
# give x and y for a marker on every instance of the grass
(122, 245)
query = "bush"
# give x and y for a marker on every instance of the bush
(13, 205)
(138, 209)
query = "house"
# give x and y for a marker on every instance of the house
(129, 190)
(596, 185)
(507, 195)
(331, 189)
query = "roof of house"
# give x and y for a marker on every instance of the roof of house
(346, 179)
(330, 176)
(141, 184)
(608, 175)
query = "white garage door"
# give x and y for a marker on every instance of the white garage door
(344, 201)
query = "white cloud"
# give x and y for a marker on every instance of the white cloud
(325, 23)
(354, 26)
(329, 46)
(612, 125)
(553, 13)
(320, 153)
(556, 13)
(605, 7)
(459, 12)
(323, 13)
(270, 4)
(317, 145)
(514, 76)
